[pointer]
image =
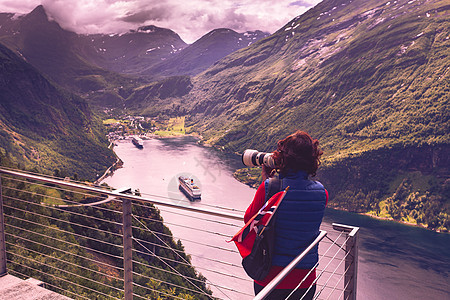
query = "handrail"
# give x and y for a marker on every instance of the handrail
(268, 288)
(124, 196)
(347, 248)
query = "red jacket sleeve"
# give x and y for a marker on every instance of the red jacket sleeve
(258, 201)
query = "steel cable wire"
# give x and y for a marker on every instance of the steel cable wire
(345, 288)
(168, 265)
(67, 272)
(339, 280)
(326, 271)
(199, 204)
(63, 221)
(197, 267)
(164, 270)
(156, 291)
(65, 231)
(168, 283)
(47, 284)
(73, 254)
(66, 242)
(71, 282)
(63, 261)
(63, 210)
(326, 283)
(198, 243)
(306, 276)
(50, 177)
(188, 227)
(162, 241)
(57, 187)
(59, 198)
(340, 262)
(194, 279)
(193, 255)
(199, 257)
(189, 216)
(178, 262)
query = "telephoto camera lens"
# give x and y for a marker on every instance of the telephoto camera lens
(254, 158)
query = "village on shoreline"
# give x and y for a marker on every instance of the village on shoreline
(145, 127)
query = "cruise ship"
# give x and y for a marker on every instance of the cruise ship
(189, 188)
(137, 141)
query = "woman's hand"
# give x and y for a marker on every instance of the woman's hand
(266, 172)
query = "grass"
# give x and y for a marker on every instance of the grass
(177, 124)
(174, 127)
(110, 121)
(166, 133)
(49, 196)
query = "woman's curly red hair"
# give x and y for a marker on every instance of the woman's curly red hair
(298, 151)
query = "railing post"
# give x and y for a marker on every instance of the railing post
(127, 249)
(351, 260)
(351, 265)
(2, 235)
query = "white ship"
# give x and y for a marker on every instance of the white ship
(137, 141)
(189, 188)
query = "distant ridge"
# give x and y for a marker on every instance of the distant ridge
(204, 52)
(131, 52)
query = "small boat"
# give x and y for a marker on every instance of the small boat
(137, 141)
(189, 188)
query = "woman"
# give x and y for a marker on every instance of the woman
(298, 217)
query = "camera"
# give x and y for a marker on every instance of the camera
(254, 158)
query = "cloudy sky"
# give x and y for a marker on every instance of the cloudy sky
(191, 19)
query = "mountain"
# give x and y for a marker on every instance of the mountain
(369, 79)
(133, 51)
(204, 52)
(45, 128)
(53, 51)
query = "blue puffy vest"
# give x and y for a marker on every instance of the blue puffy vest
(298, 219)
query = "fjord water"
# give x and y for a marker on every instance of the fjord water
(395, 261)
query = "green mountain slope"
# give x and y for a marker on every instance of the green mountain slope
(370, 79)
(46, 128)
(360, 77)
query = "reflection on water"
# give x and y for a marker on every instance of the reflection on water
(396, 261)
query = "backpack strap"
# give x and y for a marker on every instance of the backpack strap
(272, 186)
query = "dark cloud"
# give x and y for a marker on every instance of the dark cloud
(152, 14)
(229, 19)
(300, 3)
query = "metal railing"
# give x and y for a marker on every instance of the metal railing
(88, 241)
